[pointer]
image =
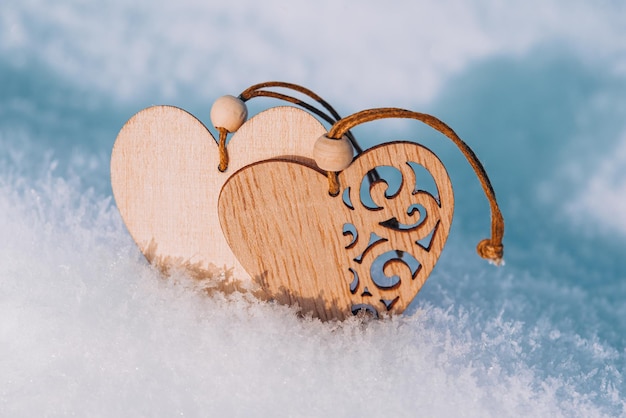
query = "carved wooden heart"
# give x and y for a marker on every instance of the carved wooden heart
(370, 248)
(166, 183)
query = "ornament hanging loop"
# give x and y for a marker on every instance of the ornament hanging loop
(229, 113)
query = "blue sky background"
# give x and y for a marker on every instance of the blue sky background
(537, 89)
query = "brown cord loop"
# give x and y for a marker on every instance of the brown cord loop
(223, 166)
(331, 117)
(258, 90)
(491, 249)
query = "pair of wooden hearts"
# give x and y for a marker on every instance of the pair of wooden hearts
(269, 219)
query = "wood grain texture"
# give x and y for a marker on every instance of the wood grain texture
(166, 183)
(290, 236)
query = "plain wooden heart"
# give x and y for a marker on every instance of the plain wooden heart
(334, 256)
(166, 183)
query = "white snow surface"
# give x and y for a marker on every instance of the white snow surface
(89, 329)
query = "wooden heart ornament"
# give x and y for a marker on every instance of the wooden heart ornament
(361, 235)
(369, 248)
(166, 182)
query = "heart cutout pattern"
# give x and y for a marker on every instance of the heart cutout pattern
(370, 248)
(166, 183)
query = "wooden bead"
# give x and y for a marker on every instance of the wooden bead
(229, 112)
(333, 154)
